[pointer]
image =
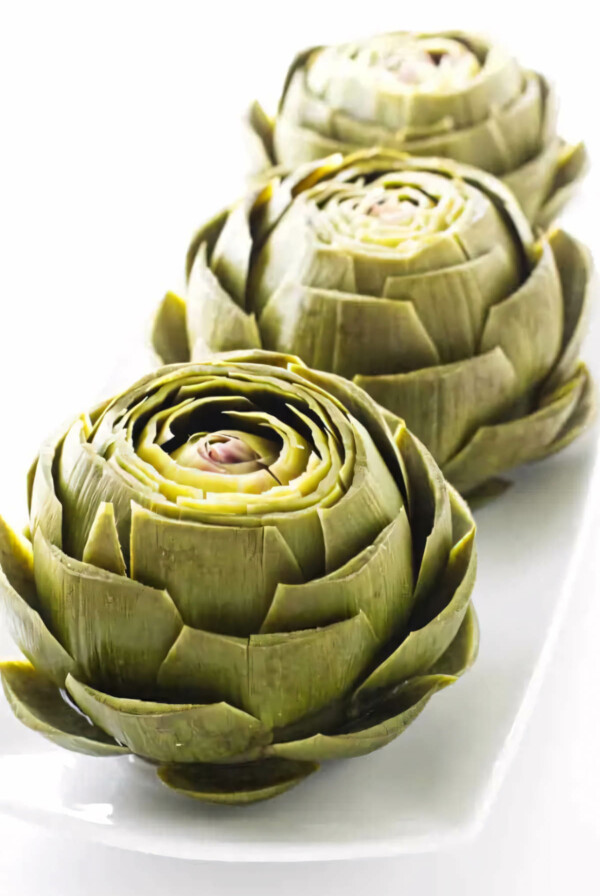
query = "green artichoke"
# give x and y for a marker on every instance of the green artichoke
(419, 279)
(234, 572)
(449, 94)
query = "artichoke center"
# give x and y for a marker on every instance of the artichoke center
(391, 211)
(431, 63)
(234, 453)
(225, 449)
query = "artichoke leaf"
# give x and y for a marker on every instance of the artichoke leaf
(571, 166)
(381, 720)
(212, 313)
(46, 510)
(375, 727)
(102, 549)
(363, 408)
(16, 562)
(207, 234)
(462, 652)
(229, 597)
(444, 406)
(528, 325)
(378, 581)
(204, 667)
(230, 258)
(259, 129)
(19, 606)
(30, 480)
(451, 302)
(532, 181)
(297, 144)
(170, 732)
(575, 269)
(430, 513)
(169, 330)
(236, 784)
(346, 333)
(118, 630)
(495, 449)
(83, 486)
(581, 416)
(296, 674)
(370, 504)
(439, 619)
(293, 254)
(38, 703)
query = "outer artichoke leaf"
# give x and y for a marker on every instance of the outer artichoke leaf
(30, 479)
(203, 667)
(379, 723)
(16, 561)
(167, 732)
(531, 181)
(117, 630)
(528, 326)
(295, 674)
(370, 504)
(430, 513)
(19, 608)
(495, 449)
(579, 419)
(308, 108)
(236, 784)
(83, 484)
(346, 333)
(45, 508)
(207, 234)
(363, 408)
(571, 166)
(443, 406)
(439, 618)
(451, 302)
(213, 315)
(462, 652)
(293, 253)
(374, 268)
(39, 704)
(169, 330)
(228, 597)
(378, 581)
(259, 127)
(260, 356)
(102, 549)
(296, 144)
(230, 257)
(575, 269)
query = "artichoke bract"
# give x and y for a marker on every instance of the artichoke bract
(421, 280)
(234, 572)
(448, 94)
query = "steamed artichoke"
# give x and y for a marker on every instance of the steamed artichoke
(234, 572)
(421, 280)
(449, 94)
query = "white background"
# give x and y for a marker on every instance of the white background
(118, 134)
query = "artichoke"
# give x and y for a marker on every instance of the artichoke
(234, 572)
(420, 279)
(449, 94)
